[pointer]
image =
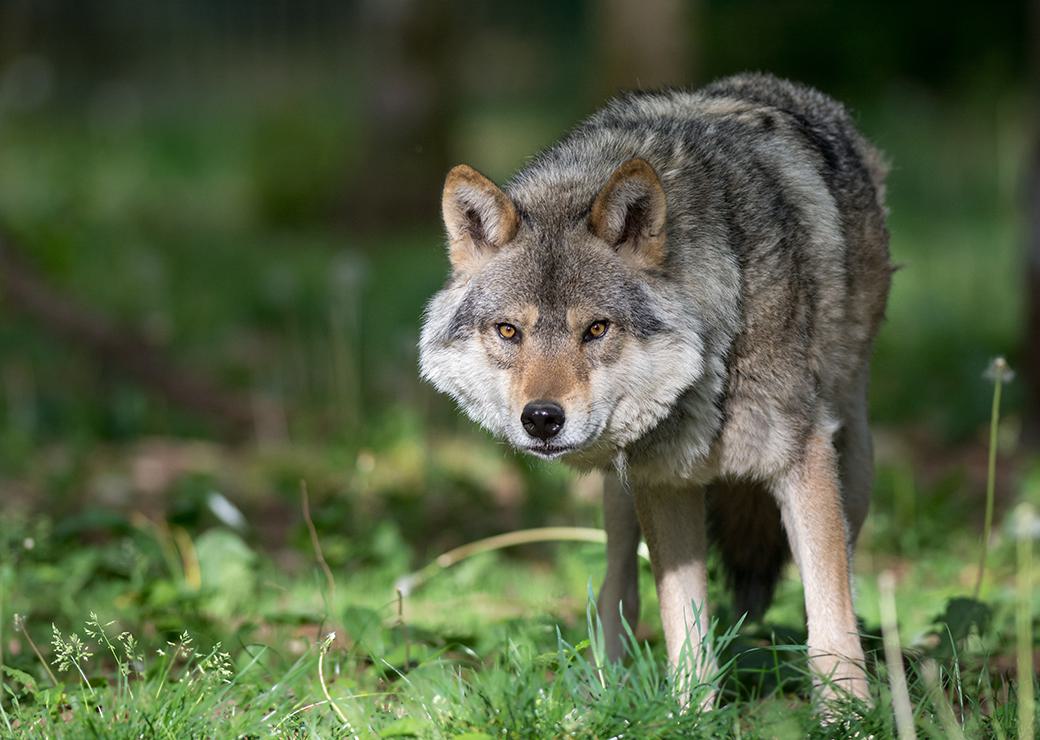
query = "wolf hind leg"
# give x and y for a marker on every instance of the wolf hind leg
(619, 594)
(744, 524)
(856, 462)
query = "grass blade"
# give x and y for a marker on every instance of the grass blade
(999, 372)
(1024, 623)
(894, 658)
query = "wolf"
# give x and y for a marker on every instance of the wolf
(683, 292)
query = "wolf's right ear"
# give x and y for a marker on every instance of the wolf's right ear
(478, 216)
(629, 214)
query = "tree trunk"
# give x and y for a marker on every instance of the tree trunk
(647, 44)
(1031, 374)
(406, 111)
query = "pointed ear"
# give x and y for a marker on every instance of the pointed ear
(478, 216)
(629, 214)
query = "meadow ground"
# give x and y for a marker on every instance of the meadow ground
(232, 637)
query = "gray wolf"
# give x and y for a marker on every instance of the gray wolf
(683, 292)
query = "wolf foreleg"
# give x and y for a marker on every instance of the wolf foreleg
(673, 523)
(811, 509)
(619, 595)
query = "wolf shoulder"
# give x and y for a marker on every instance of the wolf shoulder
(735, 115)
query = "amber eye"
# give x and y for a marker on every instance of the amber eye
(596, 329)
(508, 332)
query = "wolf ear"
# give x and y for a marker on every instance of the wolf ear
(478, 216)
(629, 214)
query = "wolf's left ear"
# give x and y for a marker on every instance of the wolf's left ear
(629, 214)
(478, 216)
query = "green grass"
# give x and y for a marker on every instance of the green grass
(498, 644)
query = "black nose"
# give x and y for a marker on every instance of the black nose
(542, 419)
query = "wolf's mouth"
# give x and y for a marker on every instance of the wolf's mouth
(549, 451)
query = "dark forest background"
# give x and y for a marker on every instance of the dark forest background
(251, 189)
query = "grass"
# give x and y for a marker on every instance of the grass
(531, 684)
(203, 633)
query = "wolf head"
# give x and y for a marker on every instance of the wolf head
(555, 330)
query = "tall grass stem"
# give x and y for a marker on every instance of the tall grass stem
(1024, 623)
(408, 583)
(894, 658)
(19, 626)
(930, 673)
(999, 371)
(324, 649)
(305, 504)
(3, 590)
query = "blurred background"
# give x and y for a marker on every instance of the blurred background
(219, 226)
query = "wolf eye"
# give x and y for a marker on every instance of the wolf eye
(596, 330)
(508, 332)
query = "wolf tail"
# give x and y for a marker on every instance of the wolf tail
(877, 167)
(744, 523)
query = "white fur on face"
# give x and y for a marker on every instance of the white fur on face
(625, 400)
(630, 397)
(461, 368)
(464, 371)
(641, 388)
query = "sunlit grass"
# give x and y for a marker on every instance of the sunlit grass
(493, 644)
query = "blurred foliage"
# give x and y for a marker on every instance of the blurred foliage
(202, 196)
